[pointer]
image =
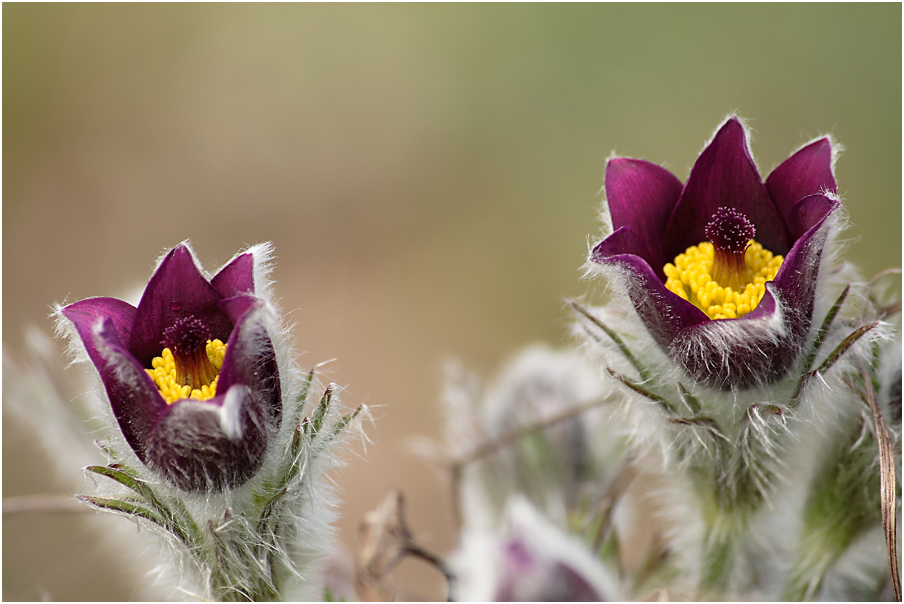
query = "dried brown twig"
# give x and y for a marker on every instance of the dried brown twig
(43, 504)
(887, 473)
(386, 541)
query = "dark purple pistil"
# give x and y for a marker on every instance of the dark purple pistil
(729, 230)
(730, 233)
(187, 339)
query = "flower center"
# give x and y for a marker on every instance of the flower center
(724, 277)
(189, 366)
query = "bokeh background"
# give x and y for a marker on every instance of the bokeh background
(429, 175)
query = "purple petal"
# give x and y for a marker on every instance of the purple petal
(101, 323)
(237, 307)
(135, 400)
(235, 278)
(622, 241)
(642, 195)
(568, 585)
(752, 350)
(250, 358)
(795, 281)
(737, 353)
(529, 578)
(210, 445)
(724, 175)
(807, 172)
(85, 314)
(175, 291)
(664, 313)
(808, 212)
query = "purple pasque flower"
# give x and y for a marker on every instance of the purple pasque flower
(208, 429)
(527, 559)
(738, 226)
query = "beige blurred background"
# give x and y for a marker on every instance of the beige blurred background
(429, 175)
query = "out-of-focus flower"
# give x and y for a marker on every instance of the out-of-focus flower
(529, 560)
(54, 412)
(190, 373)
(541, 429)
(723, 269)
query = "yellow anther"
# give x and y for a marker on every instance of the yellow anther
(691, 278)
(164, 375)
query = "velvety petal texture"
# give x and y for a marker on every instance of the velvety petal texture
(641, 198)
(791, 213)
(207, 445)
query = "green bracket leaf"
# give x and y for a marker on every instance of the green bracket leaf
(182, 526)
(623, 348)
(824, 329)
(345, 420)
(322, 409)
(669, 407)
(123, 507)
(689, 400)
(831, 359)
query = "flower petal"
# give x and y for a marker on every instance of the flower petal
(210, 445)
(85, 314)
(738, 353)
(235, 278)
(134, 398)
(642, 195)
(761, 346)
(176, 290)
(725, 175)
(664, 313)
(807, 172)
(796, 279)
(250, 358)
(808, 212)
(622, 241)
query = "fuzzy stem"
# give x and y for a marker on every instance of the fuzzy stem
(725, 534)
(731, 491)
(841, 505)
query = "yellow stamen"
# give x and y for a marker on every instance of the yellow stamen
(691, 277)
(200, 382)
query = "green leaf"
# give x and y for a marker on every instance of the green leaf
(690, 400)
(345, 420)
(845, 345)
(182, 525)
(305, 387)
(127, 479)
(296, 439)
(623, 348)
(704, 422)
(669, 407)
(106, 449)
(123, 507)
(302, 395)
(824, 329)
(322, 409)
(268, 509)
(832, 359)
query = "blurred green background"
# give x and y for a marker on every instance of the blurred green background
(429, 175)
